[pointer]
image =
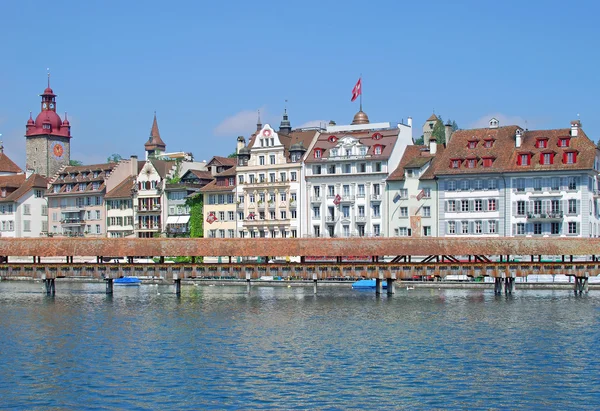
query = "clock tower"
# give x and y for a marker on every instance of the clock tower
(48, 138)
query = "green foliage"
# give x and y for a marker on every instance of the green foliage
(176, 177)
(439, 133)
(75, 163)
(419, 141)
(196, 222)
(114, 158)
(233, 155)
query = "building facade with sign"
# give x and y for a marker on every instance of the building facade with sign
(270, 192)
(346, 173)
(219, 207)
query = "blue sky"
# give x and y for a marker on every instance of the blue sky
(207, 67)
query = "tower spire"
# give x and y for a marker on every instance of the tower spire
(258, 123)
(48, 70)
(285, 126)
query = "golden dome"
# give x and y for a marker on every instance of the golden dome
(360, 118)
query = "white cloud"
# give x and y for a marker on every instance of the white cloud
(503, 119)
(241, 123)
(314, 123)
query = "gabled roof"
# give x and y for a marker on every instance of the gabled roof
(7, 165)
(201, 174)
(34, 181)
(222, 161)
(416, 156)
(432, 117)
(123, 189)
(219, 177)
(287, 140)
(162, 167)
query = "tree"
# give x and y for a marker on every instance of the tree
(420, 141)
(232, 155)
(114, 158)
(439, 132)
(195, 204)
(75, 163)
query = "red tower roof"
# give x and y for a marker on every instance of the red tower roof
(48, 122)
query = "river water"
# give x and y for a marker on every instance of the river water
(218, 347)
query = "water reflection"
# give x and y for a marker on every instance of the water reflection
(277, 347)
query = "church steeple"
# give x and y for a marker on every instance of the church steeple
(154, 146)
(285, 126)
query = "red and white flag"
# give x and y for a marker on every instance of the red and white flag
(357, 90)
(420, 195)
(337, 200)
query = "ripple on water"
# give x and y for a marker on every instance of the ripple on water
(283, 348)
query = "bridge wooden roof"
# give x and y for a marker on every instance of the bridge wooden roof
(170, 247)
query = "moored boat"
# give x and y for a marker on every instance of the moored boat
(367, 284)
(127, 281)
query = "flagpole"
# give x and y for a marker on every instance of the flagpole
(361, 86)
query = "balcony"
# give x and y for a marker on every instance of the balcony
(316, 199)
(545, 216)
(271, 205)
(330, 219)
(347, 198)
(375, 197)
(293, 204)
(155, 208)
(70, 209)
(240, 206)
(361, 219)
(147, 227)
(71, 222)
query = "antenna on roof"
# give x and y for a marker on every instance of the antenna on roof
(48, 70)
(526, 128)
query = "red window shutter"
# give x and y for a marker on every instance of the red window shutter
(528, 159)
(542, 158)
(564, 158)
(574, 157)
(518, 159)
(551, 158)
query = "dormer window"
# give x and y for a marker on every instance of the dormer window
(318, 153)
(487, 161)
(488, 143)
(332, 139)
(547, 158)
(377, 136)
(471, 163)
(564, 142)
(570, 157)
(472, 144)
(334, 151)
(524, 159)
(377, 149)
(46, 126)
(231, 181)
(541, 143)
(363, 151)
(455, 163)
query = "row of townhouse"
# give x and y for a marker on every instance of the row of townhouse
(369, 179)
(498, 181)
(322, 182)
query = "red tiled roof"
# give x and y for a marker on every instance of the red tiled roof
(505, 154)
(7, 165)
(417, 156)
(123, 189)
(154, 141)
(202, 174)
(387, 141)
(223, 161)
(34, 181)
(432, 117)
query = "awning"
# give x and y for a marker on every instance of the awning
(178, 219)
(183, 219)
(172, 219)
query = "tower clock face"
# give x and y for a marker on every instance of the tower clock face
(58, 150)
(45, 105)
(51, 105)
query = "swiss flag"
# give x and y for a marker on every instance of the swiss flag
(357, 90)
(337, 200)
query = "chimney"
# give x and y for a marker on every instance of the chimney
(447, 133)
(575, 126)
(409, 121)
(518, 138)
(241, 143)
(134, 165)
(432, 147)
(29, 172)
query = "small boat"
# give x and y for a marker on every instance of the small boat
(367, 285)
(127, 281)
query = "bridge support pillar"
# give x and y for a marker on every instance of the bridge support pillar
(315, 282)
(49, 285)
(177, 281)
(248, 283)
(378, 286)
(581, 285)
(509, 285)
(109, 286)
(391, 288)
(497, 285)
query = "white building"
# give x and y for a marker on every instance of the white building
(346, 173)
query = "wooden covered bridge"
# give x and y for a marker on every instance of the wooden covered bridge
(319, 258)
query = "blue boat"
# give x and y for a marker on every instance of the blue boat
(127, 281)
(367, 285)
